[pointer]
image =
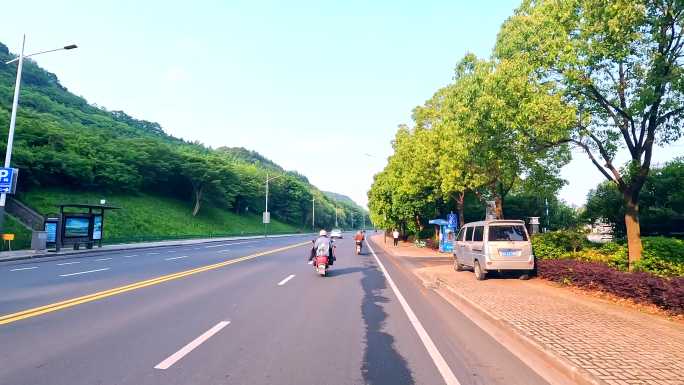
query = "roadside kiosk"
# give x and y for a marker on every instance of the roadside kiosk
(446, 232)
(76, 228)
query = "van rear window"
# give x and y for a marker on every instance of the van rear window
(507, 233)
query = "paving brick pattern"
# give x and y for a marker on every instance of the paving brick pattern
(615, 344)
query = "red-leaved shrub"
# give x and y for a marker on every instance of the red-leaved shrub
(667, 293)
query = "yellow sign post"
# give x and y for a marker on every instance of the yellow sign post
(7, 239)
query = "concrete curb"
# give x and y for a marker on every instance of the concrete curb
(141, 246)
(547, 355)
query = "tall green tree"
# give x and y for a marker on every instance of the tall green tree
(620, 64)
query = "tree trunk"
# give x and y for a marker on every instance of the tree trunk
(498, 207)
(198, 201)
(460, 198)
(633, 230)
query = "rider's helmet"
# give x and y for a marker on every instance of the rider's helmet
(323, 233)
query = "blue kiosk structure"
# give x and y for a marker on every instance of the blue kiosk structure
(446, 232)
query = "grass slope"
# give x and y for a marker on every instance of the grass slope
(22, 235)
(147, 217)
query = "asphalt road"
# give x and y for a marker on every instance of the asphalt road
(264, 319)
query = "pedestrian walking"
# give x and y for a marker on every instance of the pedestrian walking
(395, 235)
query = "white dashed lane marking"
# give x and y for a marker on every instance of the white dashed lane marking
(84, 272)
(284, 281)
(25, 268)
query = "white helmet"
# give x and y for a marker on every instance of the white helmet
(323, 233)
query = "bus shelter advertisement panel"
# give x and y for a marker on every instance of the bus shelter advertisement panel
(76, 227)
(97, 227)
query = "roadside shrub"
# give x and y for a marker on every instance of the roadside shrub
(642, 287)
(662, 256)
(558, 244)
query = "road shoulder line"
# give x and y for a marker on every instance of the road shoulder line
(437, 358)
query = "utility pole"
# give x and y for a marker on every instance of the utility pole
(336, 225)
(313, 214)
(352, 219)
(548, 223)
(267, 216)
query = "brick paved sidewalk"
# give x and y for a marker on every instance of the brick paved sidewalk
(610, 343)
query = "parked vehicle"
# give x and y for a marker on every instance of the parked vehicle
(494, 245)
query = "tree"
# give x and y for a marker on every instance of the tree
(620, 64)
(496, 109)
(661, 202)
(209, 180)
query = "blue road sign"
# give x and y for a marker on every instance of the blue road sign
(452, 220)
(6, 179)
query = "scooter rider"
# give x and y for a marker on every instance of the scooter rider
(323, 245)
(359, 238)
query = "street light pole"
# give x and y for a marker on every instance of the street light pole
(336, 216)
(13, 116)
(266, 210)
(313, 214)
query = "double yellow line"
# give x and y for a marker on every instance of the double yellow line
(36, 311)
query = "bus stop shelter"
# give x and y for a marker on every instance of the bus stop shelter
(76, 225)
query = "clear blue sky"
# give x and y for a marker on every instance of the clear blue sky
(311, 85)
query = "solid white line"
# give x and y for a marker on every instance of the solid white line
(83, 272)
(25, 268)
(152, 253)
(68, 263)
(284, 281)
(440, 363)
(172, 359)
(172, 258)
(130, 256)
(103, 259)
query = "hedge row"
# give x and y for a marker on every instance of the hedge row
(642, 287)
(662, 256)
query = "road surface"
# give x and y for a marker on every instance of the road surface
(242, 312)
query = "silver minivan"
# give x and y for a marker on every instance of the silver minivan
(494, 245)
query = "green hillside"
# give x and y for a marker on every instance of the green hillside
(63, 141)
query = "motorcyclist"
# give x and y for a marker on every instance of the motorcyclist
(359, 238)
(323, 245)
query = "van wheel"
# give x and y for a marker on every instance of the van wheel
(524, 276)
(457, 264)
(480, 275)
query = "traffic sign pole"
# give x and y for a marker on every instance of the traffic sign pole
(10, 137)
